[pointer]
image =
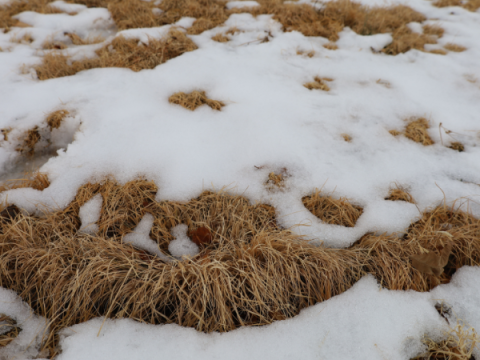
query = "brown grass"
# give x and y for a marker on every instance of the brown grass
(220, 38)
(17, 6)
(417, 130)
(395, 132)
(37, 181)
(330, 46)
(310, 53)
(455, 47)
(194, 99)
(8, 330)
(121, 52)
(438, 52)
(54, 119)
(251, 272)
(317, 84)
(347, 137)
(332, 211)
(5, 133)
(433, 30)
(458, 146)
(471, 5)
(400, 194)
(459, 344)
(25, 39)
(32, 137)
(276, 181)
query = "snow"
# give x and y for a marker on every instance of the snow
(241, 4)
(26, 344)
(182, 245)
(140, 238)
(89, 214)
(122, 125)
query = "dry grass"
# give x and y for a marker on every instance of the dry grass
(8, 330)
(433, 30)
(55, 119)
(310, 53)
(417, 130)
(32, 137)
(37, 181)
(395, 132)
(318, 84)
(347, 137)
(400, 194)
(5, 133)
(276, 181)
(17, 6)
(458, 146)
(121, 52)
(455, 47)
(330, 46)
(438, 52)
(194, 99)
(25, 39)
(459, 344)
(471, 5)
(220, 38)
(251, 272)
(332, 211)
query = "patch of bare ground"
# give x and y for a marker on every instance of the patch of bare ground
(331, 210)
(471, 5)
(194, 99)
(15, 7)
(121, 52)
(398, 193)
(249, 272)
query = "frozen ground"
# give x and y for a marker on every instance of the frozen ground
(122, 124)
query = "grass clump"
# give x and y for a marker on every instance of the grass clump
(455, 47)
(318, 84)
(194, 99)
(400, 194)
(459, 344)
(220, 38)
(332, 211)
(417, 130)
(55, 119)
(15, 7)
(457, 146)
(470, 5)
(32, 137)
(126, 53)
(37, 181)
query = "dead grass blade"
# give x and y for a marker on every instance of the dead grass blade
(126, 53)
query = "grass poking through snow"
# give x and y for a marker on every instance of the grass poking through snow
(417, 130)
(194, 99)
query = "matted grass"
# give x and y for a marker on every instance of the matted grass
(252, 272)
(417, 130)
(17, 6)
(8, 330)
(332, 211)
(399, 194)
(55, 119)
(121, 52)
(455, 47)
(194, 99)
(318, 84)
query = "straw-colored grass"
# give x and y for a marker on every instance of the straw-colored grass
(276, 181)
(220, 38)
(55, 119)
(471, 5)
(455, 47)
(417, 130)
(27, 146)
(332, 211)
(330, 46)
(5, 133)
(249, 272)
(15, 7)
(458, 146)
(37, 181)
(318, 84)
(433, 30)
(8, 330)
(347, 137)
(395, 132)
(400, 194)
(459, 344)
(25, 39)
(194, 99)
(121, 52)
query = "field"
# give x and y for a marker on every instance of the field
(261, 179)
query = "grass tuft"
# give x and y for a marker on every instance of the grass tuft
(126, 53)
(194, 99)
(220, 38)
(455, 47)
(318, 84)
(15, 7)
(417, 130)
(471, 5)
(400, 194)
(347, 137)
(332, 211)
(32, 137)
(54, 119)
(37, 181)
(458, 146)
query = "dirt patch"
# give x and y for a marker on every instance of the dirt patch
(332, 211)
(194, 99)
(121, 52)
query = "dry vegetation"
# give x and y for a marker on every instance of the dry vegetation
(347, 137)
(455, 47)
(55, 119)
(249, 272)
(121, 52)
(400, 194)
(318, 84)
(459, 344)
(458, 146)
(27, 146)
(276, 181)
(194, 99)
(417, 130)
(332, 211)
(471, 5)
(17, 6)
(220, 38)
(8, 330)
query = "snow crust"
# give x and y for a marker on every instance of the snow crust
(26, 344)
(366, 322)
(182, 245)
(89, 214)
(140, 238)
(241, 4)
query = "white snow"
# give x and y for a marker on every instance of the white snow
(182, 245)
(241, 4)
(140, 238)
(89, 214)
(33, 328)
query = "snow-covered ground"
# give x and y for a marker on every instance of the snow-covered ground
(122, 124)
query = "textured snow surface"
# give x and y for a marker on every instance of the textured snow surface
(90, 213)
(182, 245)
